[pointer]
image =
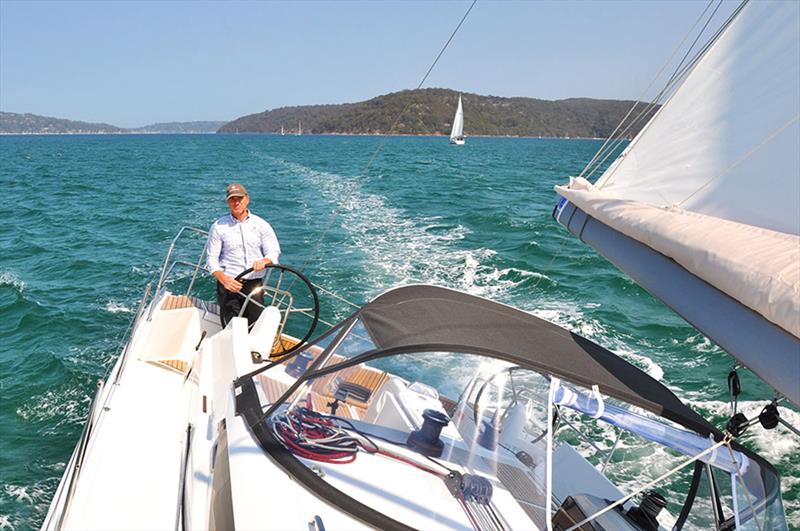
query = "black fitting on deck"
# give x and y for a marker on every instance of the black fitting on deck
(737, 425)
(769, 416)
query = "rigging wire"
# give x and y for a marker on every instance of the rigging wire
(385, 138)
(664, 66)
(681, 74)
(677, 76)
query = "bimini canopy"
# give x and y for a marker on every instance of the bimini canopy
(429, 319)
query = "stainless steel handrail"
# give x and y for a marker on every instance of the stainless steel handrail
(165, 269)
(82, 445)
(180, 263)
(132, 326)
(172, 248)
(197, 267)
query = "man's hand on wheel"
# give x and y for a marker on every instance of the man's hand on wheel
(231, 284)
(258, 265)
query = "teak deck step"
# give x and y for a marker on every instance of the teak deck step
(273, 389)
(176, 302)
(279, 348)
(177, 365)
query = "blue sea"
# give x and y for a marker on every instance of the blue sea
(86, 222)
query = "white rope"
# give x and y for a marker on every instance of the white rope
(676, 78)
(621, 501)
(601, 405)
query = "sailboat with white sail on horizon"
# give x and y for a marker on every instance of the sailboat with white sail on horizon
(457, 133)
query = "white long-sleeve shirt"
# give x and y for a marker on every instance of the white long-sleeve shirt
(234, 245)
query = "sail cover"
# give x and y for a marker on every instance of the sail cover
(713, 181)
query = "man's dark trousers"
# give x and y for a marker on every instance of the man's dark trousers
(230, 304)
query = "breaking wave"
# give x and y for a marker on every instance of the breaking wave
(8, 278)
(116, 307)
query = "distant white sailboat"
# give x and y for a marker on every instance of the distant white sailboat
(299, 128)
(282, 131)
(457, 134)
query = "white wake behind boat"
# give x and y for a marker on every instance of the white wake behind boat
(457, 132)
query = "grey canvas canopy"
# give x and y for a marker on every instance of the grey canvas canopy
(423, 318)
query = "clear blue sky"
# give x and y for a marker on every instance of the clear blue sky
(136, 63)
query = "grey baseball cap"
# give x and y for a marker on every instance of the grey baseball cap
(235, 190)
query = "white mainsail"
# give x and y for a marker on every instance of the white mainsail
(457, 133)
(713, 181)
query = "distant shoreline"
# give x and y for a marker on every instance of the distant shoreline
(100, 133)
(97, 133)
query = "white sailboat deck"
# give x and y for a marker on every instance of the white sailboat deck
(143, 465)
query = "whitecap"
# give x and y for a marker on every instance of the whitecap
(18, 492)
(116, 307)
(8, 278)
(64, 406)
